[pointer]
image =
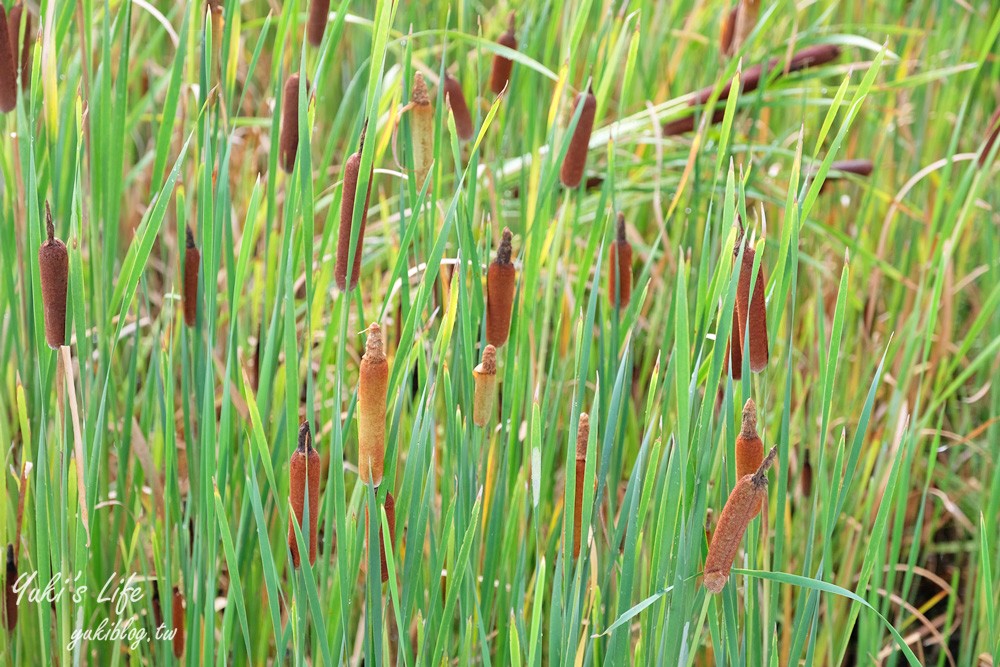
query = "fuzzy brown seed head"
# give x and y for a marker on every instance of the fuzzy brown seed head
(155, 603)
(289, 143)
(421, 130)
(177, 613)
(620, 267)
(351, 175)
(575, 161)
(582, 436)
(319, 13)
(726, 31)
(502, 66)
(813, 56)
(10, 595)
(390, 516)
(20, 48)
(501, 285)
(372, 389)
(303, 472)
(735, 346)
(751, 308)
(53, 265)
(806, 476)
(192, 263)
(459, 107)
(8, 72)
(505, 249)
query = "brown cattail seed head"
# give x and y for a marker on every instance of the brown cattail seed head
(734, 349)
(501, 284)
(8, 71)
(178, 621)
(806, 476)
(582, 438)
(319, 12)
(620, 267)
(485, 377)
(687, 123)
(749, 446)
(53, 265)
(289, 144)
(157, 607)
(751, 308)
(459, 108)
(576, 156)
(390, 516)
(304, 467)
(351, 173)
(745, 20)
(500, 74)
(422, 130)
(372, 388)
(726, 31)
(20, 48)
(740, 508)
(992, 131)
(10, 596)
(192, 262)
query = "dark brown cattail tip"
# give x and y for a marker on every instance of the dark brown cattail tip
(305, 437)
(575, 161)
(10, 595)
(390, 517)
(178, 622)
(189, 237)
(8, 72)
(511, 22)
(192, 263)
(459, 107)
(501, 285)
(749, 426)
(502, 66)
(620, 229)
(505, 250)
(760, 477)
(686, 124)
(289, 141)
(319, 13)
(50, 228)
(582, 436)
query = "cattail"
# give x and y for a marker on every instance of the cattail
(157, 608)
(178, 619)
(500, 74)
(750, 491)
(304, 465)
(319, 13)
(289, 144)
(53, 264)
(576, 156)
(10, 596)
(746, 19)
(813, 56)
(734, 349)
(218, 19)
(351, 169)
(372, 388)
(485, 375)
(421, 130)
(390, 516)
(857, 167)
(749, 446)
(20, 49)
(8, 72)
(752, 310)
(582, 438)
(686, 124)
(459, 108)
(500, 287)
(806, 476)
(192, 261)
(620, 263)
(726, 31)
(992, 131)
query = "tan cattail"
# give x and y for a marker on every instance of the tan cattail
(459, 108)
(304, 467)
(178, 621)
(10, 596)
(620, 267)
(749, 446)
(726, 31)
(501, 284)
(289, 143)
(576, 156)
(351, 173)
(992, 131)
(157, 607)
(485, 377)
(20, 48)
(319, 14)
(390, 516)
(500, 74)
(53, 265)
(192, 262)
(806, 476)
(582, 440)
(751, 309)
(750, 491)
(8, 71)
(421, 130)
(372, 387)
(686, 124)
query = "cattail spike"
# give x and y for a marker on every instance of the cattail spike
(582, 436)
(760, 477)
(352, 170)
(749, 446)
(459, 108)
(189, 237)
(303, 472)
(372, 390)
(502, 66)
(505, 249)
(53, 266)
(751, 306)
(192, 264)
(8, 70)
(319, 13)
(575, 161)
(620, 267)
(289, 141)
(501, 285)
(177, 612)
(749, 423)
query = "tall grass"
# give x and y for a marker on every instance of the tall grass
(152, 448)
